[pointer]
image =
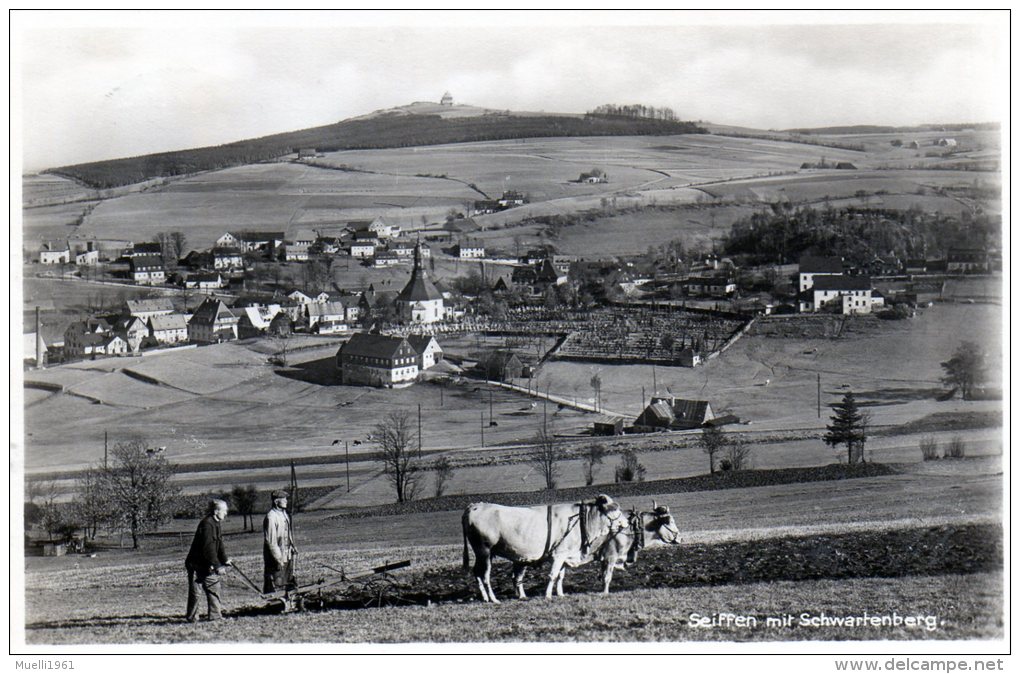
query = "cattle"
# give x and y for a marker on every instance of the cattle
(568, 535)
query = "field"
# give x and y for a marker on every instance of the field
(914, 543)
(413, 186)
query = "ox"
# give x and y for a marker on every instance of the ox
(569, 535)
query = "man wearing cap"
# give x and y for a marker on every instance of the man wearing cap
(206, 559)
(278, 547)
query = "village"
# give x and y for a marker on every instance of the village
(265, 285)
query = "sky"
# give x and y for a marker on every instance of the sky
(100, 85)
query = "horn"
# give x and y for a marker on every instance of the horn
(655, 506)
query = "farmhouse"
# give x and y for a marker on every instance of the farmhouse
(674, 414)
(296, 252)
(462, 226)
(204, 281)
(212, 322)
(388, 258)
(377, 360)
(299, 297)
(331, 312)
(946, 142)
(447, 99)
(512, 198)
(502, 366)
(145, 248)
(428, 350)
(485, 206)
(148, 270)
(811, 267)
(712, 286)
(536, 279)
(607, 425)
(227, 240)
(87, 258)
(250, 242)
(281, 325)
(78, 336)
(306, 152)
(168, 328)
(133, 330)
(329, 245)
(145, 309)
(254, 321)
(420, 301)
(227, 258)
(55, 252)
(469, 248)
(363, 249)
(379, 227)
(842, 294)
(967, 259)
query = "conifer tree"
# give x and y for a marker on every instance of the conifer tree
(849, 427)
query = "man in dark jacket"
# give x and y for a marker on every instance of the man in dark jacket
(205, 560)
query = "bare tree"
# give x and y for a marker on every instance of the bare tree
(396, 437)
(138, 483)
(593, 455)
(244, 500)
(737, 455)
(630, 468)
(712, 442)
(546, 459)
(43, 494)
(90, 506)
(444, 471)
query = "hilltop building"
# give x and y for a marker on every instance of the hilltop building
(420, 301)
(447, 99)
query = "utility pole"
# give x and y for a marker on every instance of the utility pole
(655, 383)
(106, 447)
(642, 397)
(481, 426)
(347, 456)
(819, 375)
(419, 430)
(490, 406)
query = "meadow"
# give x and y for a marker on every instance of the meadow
(911, 543)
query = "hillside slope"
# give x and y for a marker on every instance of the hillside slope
(401, 127)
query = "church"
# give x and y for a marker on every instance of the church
(420, 301)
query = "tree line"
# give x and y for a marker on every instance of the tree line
(634, 111)
(782, 234)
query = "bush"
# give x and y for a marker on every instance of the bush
(956, 448)
(929, 449)
(630, 469)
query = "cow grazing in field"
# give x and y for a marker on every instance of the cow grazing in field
(566, 534)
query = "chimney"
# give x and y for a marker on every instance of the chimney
(38, 341)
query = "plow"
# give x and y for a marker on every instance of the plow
(309, 596)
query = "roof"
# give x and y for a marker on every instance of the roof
(462, 225)
(205, 278)
(226, 251)
(420, 342)
(667, 411)
(810, 264)
(168, 322)
(259, 236)
(420, 288)
(372, 346)
(148, 247)
(155, 304)
(210, 311)
(304, 235)
(146, 261)
(842, 282)
(326, 309)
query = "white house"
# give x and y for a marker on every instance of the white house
(428, 350)
(148, 270)
(133, 330)
(848, 294)
(299, 297)
(331, 312)
(296, 252)
(210, 281)
(468, 249)
(55, 252)
(380, 227)
(226, 258)
(228, 240)
(87, 258)
(145, 309)
(812, 267)
(212, 322)
(362, 249)
(377, 360)
(168, 328)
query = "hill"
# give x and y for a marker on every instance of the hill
(414, 125)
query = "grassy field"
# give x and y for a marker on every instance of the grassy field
(411, 186)
(915, 543)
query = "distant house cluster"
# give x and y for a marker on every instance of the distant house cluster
(509, 199)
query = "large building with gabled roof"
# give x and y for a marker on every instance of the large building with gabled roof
(377, 360)
(420, 301)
